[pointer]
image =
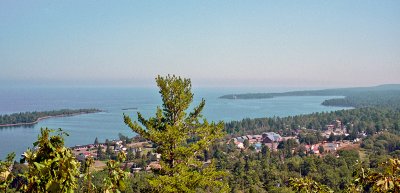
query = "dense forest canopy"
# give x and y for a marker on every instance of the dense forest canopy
(368, 120)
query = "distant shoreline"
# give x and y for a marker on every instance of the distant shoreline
(357, 97)
(46, 117)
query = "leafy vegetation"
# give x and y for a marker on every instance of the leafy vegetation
(87, 175)
(51, 166)
(6, 175)
(384, 178)
(306, 185)
(114, 182)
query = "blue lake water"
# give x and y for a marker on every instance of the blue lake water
(83, 129)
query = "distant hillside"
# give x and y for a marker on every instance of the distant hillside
(387, 95)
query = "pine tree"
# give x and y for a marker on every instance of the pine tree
(100, 153)
(180, 138)
(96, 141)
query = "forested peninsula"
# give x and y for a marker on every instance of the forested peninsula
(387, 95)
(30, 118)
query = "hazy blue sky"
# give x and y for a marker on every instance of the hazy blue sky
(216, 43)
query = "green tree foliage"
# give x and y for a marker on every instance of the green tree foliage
(124, 139)
(96, 141)
(307, 185)
(270, 170)
(87, 175)
(387, 99)
(287, 146)
(321, 149)
(115, 181)
(100, 153)
(385, 178)
(51, 166)
(368, 120)
(6, 175)
(382, 143)
(138, 182)
(246, 143)
(180, 137)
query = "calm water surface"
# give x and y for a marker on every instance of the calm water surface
(83, 129)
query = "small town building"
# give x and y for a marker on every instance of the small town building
(271, 137)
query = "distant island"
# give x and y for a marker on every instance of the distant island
(131, 108)
(30, 118)
(377, 96)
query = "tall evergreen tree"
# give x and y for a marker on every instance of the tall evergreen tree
(96, 141)
(180, 138)
(100, 153)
